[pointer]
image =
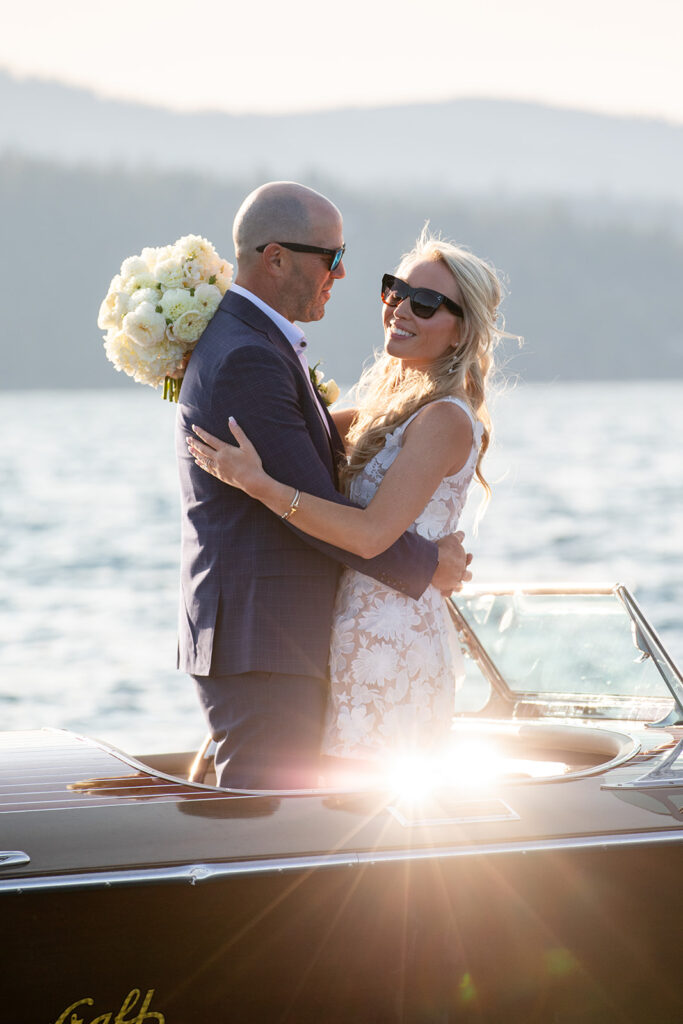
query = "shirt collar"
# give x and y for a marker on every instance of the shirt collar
(292, 332)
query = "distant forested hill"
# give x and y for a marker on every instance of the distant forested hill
(593, 297)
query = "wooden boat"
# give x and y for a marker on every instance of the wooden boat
(531, 874)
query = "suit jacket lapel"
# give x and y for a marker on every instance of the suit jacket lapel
(260, 321)
(250, 314)
(336, 444)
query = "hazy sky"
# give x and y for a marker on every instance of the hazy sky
(617, 56)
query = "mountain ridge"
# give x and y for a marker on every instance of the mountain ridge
(474, 145)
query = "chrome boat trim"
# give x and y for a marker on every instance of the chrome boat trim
(469, 811)
(592, 738)
(133, 762)
(13, 858)
(199, 873)
(649, 643)
(664, 774)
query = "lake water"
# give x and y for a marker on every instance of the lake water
(587, 487)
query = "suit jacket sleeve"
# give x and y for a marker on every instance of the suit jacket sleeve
(266, 402)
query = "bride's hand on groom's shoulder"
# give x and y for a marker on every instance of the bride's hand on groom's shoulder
(237, 465)
(452, 570)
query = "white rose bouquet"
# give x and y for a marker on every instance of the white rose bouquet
(157, 307)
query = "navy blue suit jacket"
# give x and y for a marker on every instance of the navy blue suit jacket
(256, 593)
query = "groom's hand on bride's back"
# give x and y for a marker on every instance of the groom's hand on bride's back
(452, 571)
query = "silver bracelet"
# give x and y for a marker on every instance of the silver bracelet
(294, 506)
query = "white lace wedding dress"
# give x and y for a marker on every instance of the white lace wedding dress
(393, 659)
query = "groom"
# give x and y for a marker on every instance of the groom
(257, 596)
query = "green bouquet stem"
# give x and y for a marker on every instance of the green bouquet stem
(172, 388)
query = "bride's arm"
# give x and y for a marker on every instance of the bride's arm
(342, 421)
(436, 444)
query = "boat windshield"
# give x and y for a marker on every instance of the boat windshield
(591, 648)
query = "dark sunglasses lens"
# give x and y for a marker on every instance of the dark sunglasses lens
(424, 304)
(393, 290)
(336, 259)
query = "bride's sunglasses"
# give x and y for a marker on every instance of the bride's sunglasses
(424, 302)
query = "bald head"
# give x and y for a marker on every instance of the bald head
(296, 284)
(278, 211)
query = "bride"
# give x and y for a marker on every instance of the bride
(414, 444)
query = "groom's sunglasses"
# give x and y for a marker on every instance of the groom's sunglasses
(335, 254)
(424, 302)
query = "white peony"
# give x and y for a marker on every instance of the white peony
(151, 295)
(133, 282)
(198, 255)
(207, 299)
(144, 325)
(223, 277)
(189, 246)
(162, 253)
(113, 309)
(175, 302)
(170, 273)
(189, 327)
(119, 349)
(151, 255)
(153, 364)
(134, 266)
(144, 364)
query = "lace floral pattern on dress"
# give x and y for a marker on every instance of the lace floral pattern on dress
(393, 659)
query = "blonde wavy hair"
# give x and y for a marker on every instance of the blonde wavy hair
(388, 393)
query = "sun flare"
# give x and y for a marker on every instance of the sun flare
(470, 764)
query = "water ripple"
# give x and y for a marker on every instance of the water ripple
(587, 487)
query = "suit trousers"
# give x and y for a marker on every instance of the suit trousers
(267, 727)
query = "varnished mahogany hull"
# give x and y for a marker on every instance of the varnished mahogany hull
(568, 936)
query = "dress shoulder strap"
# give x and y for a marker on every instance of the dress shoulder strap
(477, 427)
(463, 405)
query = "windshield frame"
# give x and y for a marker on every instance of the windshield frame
(508, 701)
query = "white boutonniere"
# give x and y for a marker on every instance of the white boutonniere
(327, 389)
